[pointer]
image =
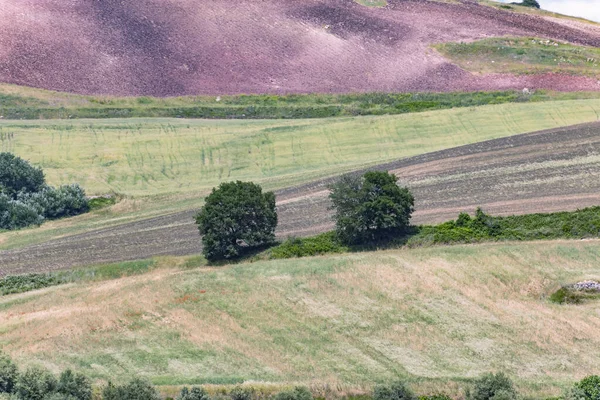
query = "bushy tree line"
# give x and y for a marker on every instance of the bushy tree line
(238, 216)
(26, 199)
(39, 384)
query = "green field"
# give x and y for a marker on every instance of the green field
(435, 316)
(523, 56)
(168, 165)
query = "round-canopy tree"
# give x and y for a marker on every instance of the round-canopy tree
(237, 215)
(17, 175)
(371, 207)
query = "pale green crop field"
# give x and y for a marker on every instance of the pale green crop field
(149, 157)
(433, 316)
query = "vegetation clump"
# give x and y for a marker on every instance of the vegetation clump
(393, 391)
(26, 200)
(297, 393)
(587, 389)
(577, 293)
(493, 387)
(237, 216)
(370, 208)
(136, 389)
(196, 393)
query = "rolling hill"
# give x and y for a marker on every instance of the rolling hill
(177, 47)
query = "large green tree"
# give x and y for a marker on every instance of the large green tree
(236, 216)
(370, 208)
(17, 175)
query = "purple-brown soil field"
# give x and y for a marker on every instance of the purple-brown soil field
(187, 47)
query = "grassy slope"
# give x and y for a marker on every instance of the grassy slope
(441, 314)
(523, 56)
(166, 165)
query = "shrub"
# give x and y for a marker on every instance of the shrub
(73, 385)
(15, 214)
(393, 391)
(197, 393)
(530, 3)
(35, 384)
(589, 387)
(298, 393)
(236, 216)
(24, 283)
(54, 203)
(493, 386)
(240, 393)
(8, 374)
(370, 208)
(311, 246)
(137, 389)
(17, 175)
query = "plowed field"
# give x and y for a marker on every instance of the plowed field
(550, 170)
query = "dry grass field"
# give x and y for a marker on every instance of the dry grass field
(434, 316)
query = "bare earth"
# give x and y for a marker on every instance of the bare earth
(545, 171)
(177, 47)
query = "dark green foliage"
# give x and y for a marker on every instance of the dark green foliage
(265, 106)
(311, 246)
(35, 384)
(17, 175)
(393, 391)
(24, 283)
(529, 3)
(240, 393)
(137, 389)
(15, 214)
(493, 386)
(570, 295)
(8, 374)
(237, 216)
(74, 385)
(370, 208)
(196, 393)
(54, 203)
(298, 393)
(438, 396)
(576, 224)
(589, 388)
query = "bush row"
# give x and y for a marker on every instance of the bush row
(272, 106)
(481, 227)
(26, 200)
(39, 384)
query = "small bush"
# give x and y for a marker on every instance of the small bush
(493, 386)
(137, 389)
(75, 386)
(197, 393)
(8, 374)
(35, 384)
(298, 393)
(241, 393)
(15, 214)
(54, 203)
(237, 216)
(393, 391)
(311, 246)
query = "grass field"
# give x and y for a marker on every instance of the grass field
(523, 56)
(433, 316)
(168, 165)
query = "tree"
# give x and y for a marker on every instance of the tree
(370, 208)
(17, 175)
(236, 216)
(197, 393)
(74, 385)
(528, 3)
(137, 389)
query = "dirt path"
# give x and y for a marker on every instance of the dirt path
(551, 170)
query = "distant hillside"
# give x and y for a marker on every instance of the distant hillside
(177, 47)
